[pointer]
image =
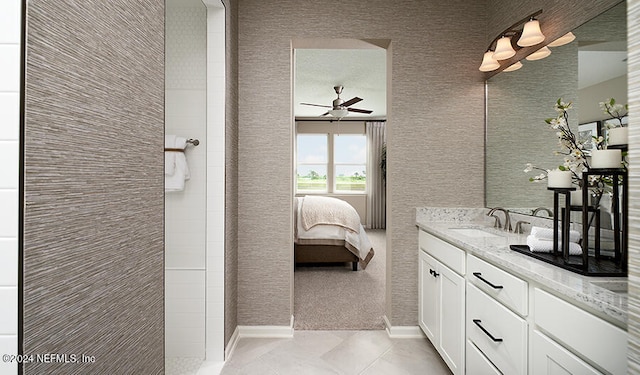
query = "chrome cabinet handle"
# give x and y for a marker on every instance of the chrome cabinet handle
(477, 322)
(479, 276)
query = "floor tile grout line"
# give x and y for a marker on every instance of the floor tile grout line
(376, 360)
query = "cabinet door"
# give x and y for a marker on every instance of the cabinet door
(549, 358)
(428, 297)
(451, 318)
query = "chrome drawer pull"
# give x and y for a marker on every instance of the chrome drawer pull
(477, 322)
(478, 275)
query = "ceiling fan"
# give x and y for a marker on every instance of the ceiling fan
(341, 108)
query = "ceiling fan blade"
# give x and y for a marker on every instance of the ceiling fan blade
(317, 105)
(359, 110)
(351, 101)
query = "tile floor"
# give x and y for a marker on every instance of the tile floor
(335, 352)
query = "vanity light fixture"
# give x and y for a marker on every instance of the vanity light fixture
(531, 34)
(488, 62)
(565, 39)
(504, 50)
(513, 67)
(539, 54)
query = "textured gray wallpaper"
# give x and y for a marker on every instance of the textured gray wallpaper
(517, 134)
(633, 321)
(231, 173)
(93, 222)
(435, 133)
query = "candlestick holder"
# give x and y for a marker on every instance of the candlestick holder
(562, 217)
(620, 214)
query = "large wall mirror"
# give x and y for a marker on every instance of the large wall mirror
(586, 71)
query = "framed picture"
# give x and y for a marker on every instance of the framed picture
(586, 132)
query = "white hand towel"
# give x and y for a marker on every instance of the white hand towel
(175, 181)
(537, 245)
(547, 234)
(169, 156)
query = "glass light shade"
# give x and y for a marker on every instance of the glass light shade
(504, 50)
(515, 66)
(531, 34)
(539, 54)
(565, 39)
(338, 112)
(488, 62)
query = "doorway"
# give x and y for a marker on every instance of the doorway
(330, 296)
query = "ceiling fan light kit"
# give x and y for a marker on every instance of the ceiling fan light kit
(339, 107)
(339, 113)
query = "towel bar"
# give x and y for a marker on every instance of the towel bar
(194, 142)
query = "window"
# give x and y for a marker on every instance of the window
(312, 152)
(350, 162)
(331, 163)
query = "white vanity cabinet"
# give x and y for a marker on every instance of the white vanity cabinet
(562, 328)
(442, 299)
(484, 318)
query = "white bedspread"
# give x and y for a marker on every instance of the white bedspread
(318, 210)
(357, 239)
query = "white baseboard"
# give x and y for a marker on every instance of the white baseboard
(267, 331)
(402, 332)
(231, 346)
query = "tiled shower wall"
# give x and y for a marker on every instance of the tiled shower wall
(10, 11)
(185, 211)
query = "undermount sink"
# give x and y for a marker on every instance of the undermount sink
(616, 286)
(473, 232)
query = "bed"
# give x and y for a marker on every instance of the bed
(328, 230)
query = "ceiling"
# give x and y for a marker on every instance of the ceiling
(362, 72)
(600, 62)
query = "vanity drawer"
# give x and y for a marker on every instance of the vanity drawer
(581, 332)
(498, 332)
(446, 253)
(477, 363)
(501, 285)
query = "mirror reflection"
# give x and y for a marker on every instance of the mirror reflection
(587, 71)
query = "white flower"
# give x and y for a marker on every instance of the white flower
(528, 168)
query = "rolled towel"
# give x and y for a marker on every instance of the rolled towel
(547, 234)
(537, 245)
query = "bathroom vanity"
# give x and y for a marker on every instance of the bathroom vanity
(490, 310)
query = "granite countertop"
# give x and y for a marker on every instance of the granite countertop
(611, 306)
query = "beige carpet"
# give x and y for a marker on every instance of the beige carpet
(337, 298)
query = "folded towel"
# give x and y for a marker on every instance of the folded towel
(537, 245)
(176, 164)
(547, 234)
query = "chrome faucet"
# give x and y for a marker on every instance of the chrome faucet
(548, 211)
(507, 219)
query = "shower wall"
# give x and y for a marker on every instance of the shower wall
(185, 211)
(10, 13)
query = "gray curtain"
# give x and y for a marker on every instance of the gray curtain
(376, 196)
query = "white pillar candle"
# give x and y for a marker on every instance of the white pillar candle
(618, 136)
(610, 158)
(576, 198)
(559, 179)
